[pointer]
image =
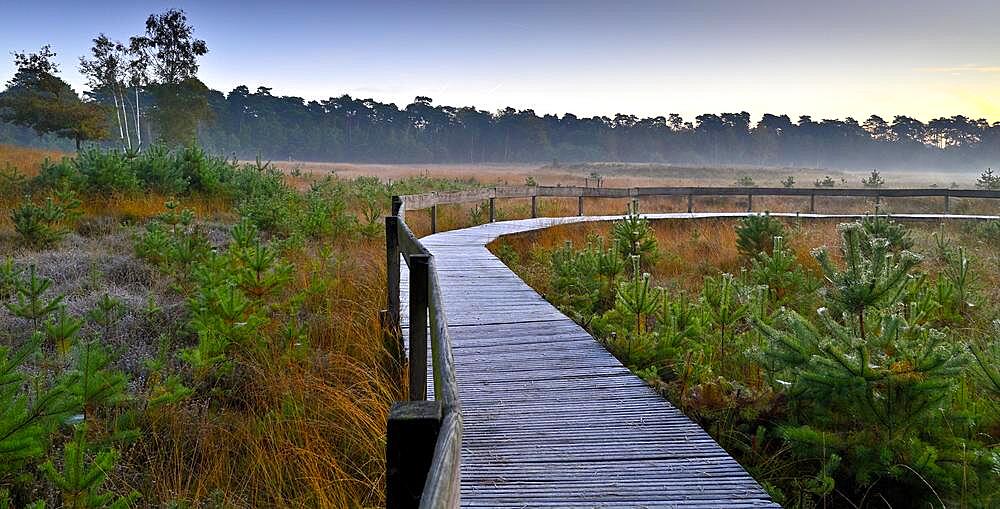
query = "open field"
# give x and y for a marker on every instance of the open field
(627, 174)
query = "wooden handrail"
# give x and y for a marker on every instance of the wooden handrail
(432, 200)
(423, 438)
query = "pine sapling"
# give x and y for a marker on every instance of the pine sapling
(30, 302)
(82, 479)
(61, 329)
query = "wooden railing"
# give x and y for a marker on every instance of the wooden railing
(423, 438)
(636, 194)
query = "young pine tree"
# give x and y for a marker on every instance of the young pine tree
(82, 479)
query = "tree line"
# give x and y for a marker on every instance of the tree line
(148, 89)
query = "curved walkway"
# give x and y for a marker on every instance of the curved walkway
(551, 418)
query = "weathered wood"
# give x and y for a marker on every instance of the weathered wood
(812, 202)
(412, 434)
(422, 201)
(947, 204)
(750, 202)
(392, 268)
(690, 203)
(418, 289)
(493, 210)
(434, 218)
(534, 206)
(579, 206)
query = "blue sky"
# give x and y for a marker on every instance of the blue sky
(828, 59)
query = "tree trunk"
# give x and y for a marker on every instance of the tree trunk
(128, 135)
(118, 116)
(138, 130)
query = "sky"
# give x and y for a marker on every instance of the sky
(923, 58)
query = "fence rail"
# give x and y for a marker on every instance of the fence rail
(491, 194)
(423, 438)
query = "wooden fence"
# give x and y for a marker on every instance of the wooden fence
(636, 194)
(423, 438)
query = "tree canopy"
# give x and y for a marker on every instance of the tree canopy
(38, 99)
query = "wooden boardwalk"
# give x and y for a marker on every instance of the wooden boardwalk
(551, 418)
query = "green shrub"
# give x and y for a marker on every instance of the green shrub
(107, 171)
(755, 234)
(160, 171)
(53, 174)
(12, 182)
(882, 227)
(633, 236)
(873, 181)
(788, 284)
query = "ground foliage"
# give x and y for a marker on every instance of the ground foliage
(180, 329)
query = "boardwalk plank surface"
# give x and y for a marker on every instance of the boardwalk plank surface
(551, 418)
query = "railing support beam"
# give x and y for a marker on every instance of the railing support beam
(579, 205)
(493, 210)
(419, 286)
(534, 206)
(749, 203)
(434, 218)
(947, 204)
(411, 436)
(392, 269)
(812, 203)
(690, 203)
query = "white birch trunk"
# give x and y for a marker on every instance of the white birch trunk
(128, 134)
(118, 117)
(138, 130)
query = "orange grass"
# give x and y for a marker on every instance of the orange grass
(27, 160)
(689, 250)
(311, 433)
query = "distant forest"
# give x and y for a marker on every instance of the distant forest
(247, 123)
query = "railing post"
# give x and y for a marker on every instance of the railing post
(534, 206)
(397, 205)
(749, 202)
(419, 286)
(635, 205)
(579, 205)
(493, 210)
(411, 436)
(434, 218)
(392, 269)
(878, 203)
(947, 205)
(812, 202)
(690, 203)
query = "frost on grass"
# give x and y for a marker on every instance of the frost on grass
(84, 270)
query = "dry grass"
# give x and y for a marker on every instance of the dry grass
(691, 249)
(27, 160)
(312, 432)
(626, 174)
(310, 429)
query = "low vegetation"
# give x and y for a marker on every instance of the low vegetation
(180, 330)
(846, 365)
